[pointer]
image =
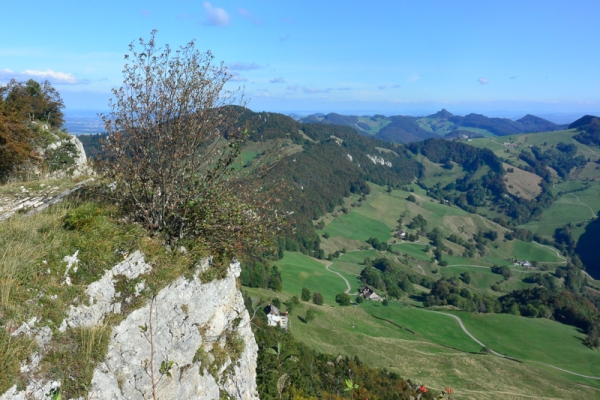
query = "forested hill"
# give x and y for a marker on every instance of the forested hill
(407, 129)
(589, 130)
(327, 163)
(322, 165)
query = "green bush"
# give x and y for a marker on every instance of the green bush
(305, 296)
(317, 298)
(342, 299)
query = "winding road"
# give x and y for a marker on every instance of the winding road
(582, 203)
(462, 325)
(341, 276)
(504, 356)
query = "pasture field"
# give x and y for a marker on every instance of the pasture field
(378, 214)
(356, 226)
(483, 278)
(534, 339)
(542, 139)
(577, 207)
(298, 271)
(435, 173)
(437, 352)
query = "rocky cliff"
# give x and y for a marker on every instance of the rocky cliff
(192, 340)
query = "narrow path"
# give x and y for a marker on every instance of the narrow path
(341, 276)
(564, 260)
(582, 203)
(462, 325)
(484, 221)
(468, 333)
(504, 356)
(46, 202)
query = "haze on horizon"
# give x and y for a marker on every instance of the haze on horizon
(504, 58)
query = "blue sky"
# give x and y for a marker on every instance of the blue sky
(363, 57)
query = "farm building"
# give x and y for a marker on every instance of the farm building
(369, 294)
(524, 263)
(275, 317)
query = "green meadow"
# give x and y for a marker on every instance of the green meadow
(534, 339)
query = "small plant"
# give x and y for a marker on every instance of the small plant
(350, 387)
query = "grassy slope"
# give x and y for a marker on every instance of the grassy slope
(438, 353)
(567, 208)
(377, 216)
(298, 271)
(534, 339)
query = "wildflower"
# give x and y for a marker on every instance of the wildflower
(422, 389)
(448, 390)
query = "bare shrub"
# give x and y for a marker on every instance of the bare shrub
(173, 142)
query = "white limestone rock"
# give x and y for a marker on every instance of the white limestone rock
(180, 312)
(102, 294)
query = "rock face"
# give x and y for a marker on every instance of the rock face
(203, 346)
(191, 341)
(79, 167)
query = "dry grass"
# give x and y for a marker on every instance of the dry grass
(522, 183)
(32, 283)
(12, 351)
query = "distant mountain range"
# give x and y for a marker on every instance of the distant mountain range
(406, 129)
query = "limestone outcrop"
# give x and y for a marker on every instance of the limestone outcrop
(192, 340)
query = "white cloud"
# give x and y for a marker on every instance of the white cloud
(53, 77)
(315, 90)
(381, 87)
(413, 78)
(241, 66)
(483, 81)
(396, 86)
(292, 88)
(216, 15)
(277, 80)
(249, 16)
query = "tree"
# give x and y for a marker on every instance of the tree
(310, 315)
(14, 139)
(317, 298)
(173, 139)
(21, 102)
(305, 294)
(385, 302)
(359, 299)
(36, 101)
(465, 277)
(343, 299)
(282, 356)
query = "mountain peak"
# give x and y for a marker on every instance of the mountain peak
(443, 113)
(585, 120)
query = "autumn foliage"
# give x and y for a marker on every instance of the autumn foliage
(23, 104)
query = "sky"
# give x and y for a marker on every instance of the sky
(504, 58)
